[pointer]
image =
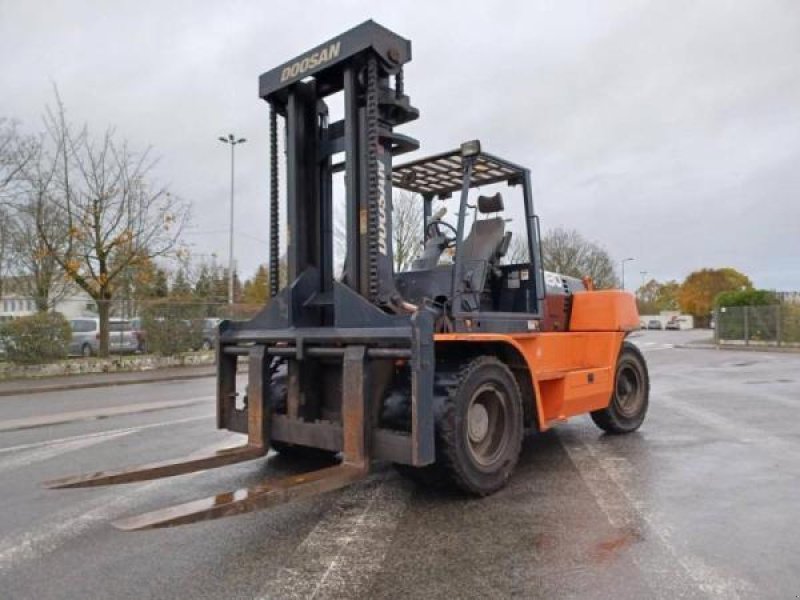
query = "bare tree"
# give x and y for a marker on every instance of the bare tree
(517, 251)
(567, 252)
(16, 151)
(37, 272)
(407, 218)
(9, 148)
(5, 240)
(114, 215)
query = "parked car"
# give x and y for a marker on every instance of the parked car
(654, 324)
(86, 337)
(642, 324)
(138, 331)
(673, 324)
(210, 333)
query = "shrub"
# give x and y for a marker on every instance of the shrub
(790, 323)
(40, 338)
(172, 328)
(745, 298)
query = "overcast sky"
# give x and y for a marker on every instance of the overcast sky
(667, 131)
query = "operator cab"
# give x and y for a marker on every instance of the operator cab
(461, 265)
(487, 240)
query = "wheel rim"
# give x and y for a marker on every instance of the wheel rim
(629, 392)
(488, 415)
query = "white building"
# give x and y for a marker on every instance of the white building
(13, 306)
(789, 297)
(75, 303)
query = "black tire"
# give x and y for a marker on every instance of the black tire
(429, 477)
(479, 432)
(86, 351)
(629, 401)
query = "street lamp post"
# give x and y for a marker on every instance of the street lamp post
(231, 139)
(624, 260)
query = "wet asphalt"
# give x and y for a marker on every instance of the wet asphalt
(702, 502)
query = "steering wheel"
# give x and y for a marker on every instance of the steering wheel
(432, 229)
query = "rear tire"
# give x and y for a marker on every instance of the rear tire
(629, 401)
(479, 432)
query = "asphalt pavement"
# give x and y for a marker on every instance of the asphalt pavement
(700, 503)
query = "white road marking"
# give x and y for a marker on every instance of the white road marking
(103, 433)
(663, 347)
(340, 556)
(52, 534)
(95, 413)
(673, 572)
(53, 450)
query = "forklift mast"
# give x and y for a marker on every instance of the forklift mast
(361, 64)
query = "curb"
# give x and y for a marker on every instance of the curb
(778, 349)
(696, 346)
(33, 389)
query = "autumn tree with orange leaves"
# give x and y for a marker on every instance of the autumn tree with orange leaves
(698, 291)
(115, 218)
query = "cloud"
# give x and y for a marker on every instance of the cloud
(669, 132)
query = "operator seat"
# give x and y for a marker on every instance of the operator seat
(486, 243)
(431, 253)
(480, 252)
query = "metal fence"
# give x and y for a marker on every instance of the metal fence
(168, 328)
(165, 328)
(774, 325)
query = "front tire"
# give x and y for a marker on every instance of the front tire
(279, 393)
(479, 433)
(629, 401)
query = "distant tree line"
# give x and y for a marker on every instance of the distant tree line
(701, 292)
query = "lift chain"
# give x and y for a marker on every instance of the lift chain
(274, 225)
(372, 169)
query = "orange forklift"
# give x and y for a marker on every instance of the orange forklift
(439, 369)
